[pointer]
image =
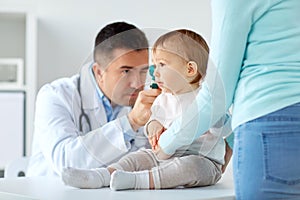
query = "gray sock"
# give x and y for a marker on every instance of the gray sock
(86, 178)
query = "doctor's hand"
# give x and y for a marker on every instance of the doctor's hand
(140, 112)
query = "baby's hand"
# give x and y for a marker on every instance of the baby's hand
(154, 130)
(160, 154)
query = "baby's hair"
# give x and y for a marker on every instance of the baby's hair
(188, 45)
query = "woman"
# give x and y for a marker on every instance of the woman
(255, 51)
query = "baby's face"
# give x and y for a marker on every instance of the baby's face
(171, 72)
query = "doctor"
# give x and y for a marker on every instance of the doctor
(94, 118)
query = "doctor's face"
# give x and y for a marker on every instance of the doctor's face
(124, 77)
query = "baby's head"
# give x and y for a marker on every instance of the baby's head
(180, 58)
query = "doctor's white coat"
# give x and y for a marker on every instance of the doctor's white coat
(58, 143)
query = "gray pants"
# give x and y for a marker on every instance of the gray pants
(187, 171)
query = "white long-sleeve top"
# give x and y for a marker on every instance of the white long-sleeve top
(168, 107)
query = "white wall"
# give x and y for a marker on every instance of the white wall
(67, 28)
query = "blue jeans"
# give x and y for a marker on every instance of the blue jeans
(266, 156)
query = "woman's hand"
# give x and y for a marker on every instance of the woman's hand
(227, 157)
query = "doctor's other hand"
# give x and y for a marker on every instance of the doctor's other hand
(141, 112)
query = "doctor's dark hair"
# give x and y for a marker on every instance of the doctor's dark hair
(118, 35)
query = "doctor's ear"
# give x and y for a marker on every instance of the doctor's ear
(192, 68)
(97, 71)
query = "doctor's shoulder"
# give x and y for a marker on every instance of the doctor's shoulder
(62, 88)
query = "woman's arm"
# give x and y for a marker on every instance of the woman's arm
(232, 22)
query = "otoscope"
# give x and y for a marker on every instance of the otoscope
(151, 71)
